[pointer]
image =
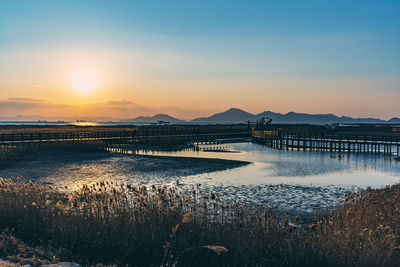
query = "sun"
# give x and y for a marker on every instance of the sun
(84, 81)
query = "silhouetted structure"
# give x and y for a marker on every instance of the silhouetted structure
(361, 138)
(119, 135)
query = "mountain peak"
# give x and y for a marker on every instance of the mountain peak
(155, 118)
(232, 115)
(234, 109)
(394, 120)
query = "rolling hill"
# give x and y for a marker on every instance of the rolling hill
(155, 118)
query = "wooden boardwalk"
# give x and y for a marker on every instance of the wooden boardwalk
(351, 139)
(119, 137)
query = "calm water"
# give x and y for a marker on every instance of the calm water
(307, 168)
(298, 182)
(295, 181)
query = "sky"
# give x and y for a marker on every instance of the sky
(125, 58)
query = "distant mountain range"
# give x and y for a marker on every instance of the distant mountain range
(235, 115)
(229, 116)
(155, 118)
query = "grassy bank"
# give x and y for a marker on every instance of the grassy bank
(123, 224)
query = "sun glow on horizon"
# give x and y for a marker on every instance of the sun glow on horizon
(84, 81)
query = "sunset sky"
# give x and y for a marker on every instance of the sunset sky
(122, 59)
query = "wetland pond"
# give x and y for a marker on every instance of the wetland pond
(297, 182)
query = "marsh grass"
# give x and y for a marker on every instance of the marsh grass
(115, 223)
(363, 231)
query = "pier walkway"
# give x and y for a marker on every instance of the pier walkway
(351, 138)
(121, 136)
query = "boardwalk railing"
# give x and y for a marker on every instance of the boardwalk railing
(336, 139)
(114, 137)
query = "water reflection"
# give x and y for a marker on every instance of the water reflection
(85, 123)
(298, 182)
(311, 168)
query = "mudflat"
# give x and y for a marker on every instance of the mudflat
(60, 167)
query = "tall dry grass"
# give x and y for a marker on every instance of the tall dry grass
(363, 231)
(122, 224)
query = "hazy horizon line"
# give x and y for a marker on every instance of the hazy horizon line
(24, 117)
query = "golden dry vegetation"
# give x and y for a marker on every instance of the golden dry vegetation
(118, 224)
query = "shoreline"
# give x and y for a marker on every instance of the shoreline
(38, 165)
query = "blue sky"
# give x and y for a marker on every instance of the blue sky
(209, 40)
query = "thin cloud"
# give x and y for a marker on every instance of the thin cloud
(115, 109)
(26, 99)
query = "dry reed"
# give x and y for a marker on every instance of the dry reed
(115, 223)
